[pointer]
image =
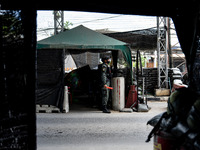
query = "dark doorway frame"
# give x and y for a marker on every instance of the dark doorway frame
(185, 16)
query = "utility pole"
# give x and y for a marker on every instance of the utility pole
(58, 21)
(162, 52)
(169, 43)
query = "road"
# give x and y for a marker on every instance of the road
(89, 129)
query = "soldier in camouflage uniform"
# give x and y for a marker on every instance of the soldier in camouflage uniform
(105, 79)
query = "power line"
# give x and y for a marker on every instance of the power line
(98, 19)
(84, 22)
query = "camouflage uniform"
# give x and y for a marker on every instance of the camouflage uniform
(105, 78)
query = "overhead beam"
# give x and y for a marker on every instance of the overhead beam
(142, 7)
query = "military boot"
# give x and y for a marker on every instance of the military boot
(105, 110)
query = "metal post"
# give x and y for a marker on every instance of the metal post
(162, 44)
(169, 43)
(158, 50)
(58, 21)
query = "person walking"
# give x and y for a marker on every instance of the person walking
(105, 79)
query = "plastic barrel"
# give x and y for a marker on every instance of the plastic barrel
(118, 93)
(66, 100)
(164, 141)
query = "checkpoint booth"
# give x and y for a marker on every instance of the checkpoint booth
(79, 43)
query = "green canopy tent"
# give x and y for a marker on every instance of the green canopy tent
(83, 38)
(79, 38)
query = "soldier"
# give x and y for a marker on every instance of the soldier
(105, 79)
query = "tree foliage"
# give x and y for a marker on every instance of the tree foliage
(11, 25)
(67, 25)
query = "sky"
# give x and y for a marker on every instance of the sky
(96, 21)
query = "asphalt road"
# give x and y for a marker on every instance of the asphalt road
(90, 129)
